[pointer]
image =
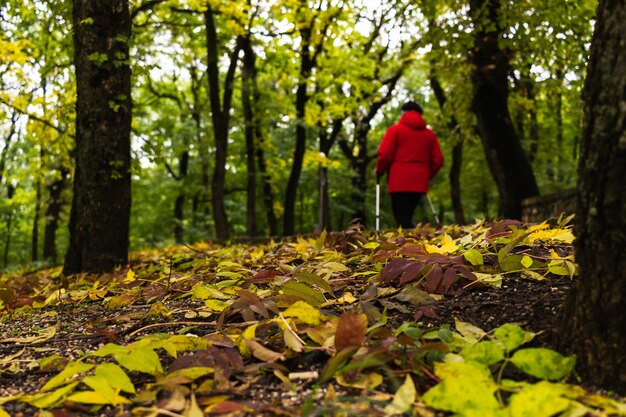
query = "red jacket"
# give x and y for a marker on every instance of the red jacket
(410, 153)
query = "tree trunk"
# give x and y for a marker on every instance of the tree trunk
(326, 142)
(560, 152)
(324, 222)
(99, 219)
(454, 175)
(248, 76)
(179, 202)
(220, 115)
(53, 215)
(9, 226)
(34, 249)
(306, 65)
(507, 160)
(594, 319)
(268, 191)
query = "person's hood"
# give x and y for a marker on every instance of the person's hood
(413, 120)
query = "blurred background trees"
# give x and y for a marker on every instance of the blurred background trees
(262, 117)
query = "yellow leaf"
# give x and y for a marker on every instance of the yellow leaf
(403, 400)
(347, 298)
(447, 246)
(44, 335)
(304, 312)
(130, 277)
(95, 397)
(364, 381)
(216, 305)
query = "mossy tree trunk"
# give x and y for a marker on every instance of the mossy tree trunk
(100, 214)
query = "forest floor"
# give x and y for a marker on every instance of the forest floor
(337, 325)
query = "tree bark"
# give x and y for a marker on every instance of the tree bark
(179, 203)
(507, 160)
(594, 319)
(34, 241)
(100, 214)
(454, 176)
(248, 77)
(306, 66)
(220, 115)
(53, 215)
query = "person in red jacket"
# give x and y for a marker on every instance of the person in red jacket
(411, 156)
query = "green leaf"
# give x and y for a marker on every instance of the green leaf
(115, 376)
(312, 279)
(469, 332)
(474, 371)
(510, 263)
(543, 399)
(489, 279)
(336, 362)
(142, 359)
(304, 292)
(68, 374)
(49, 399)
(512, 336)
(526, 261)
(403, 399)
(543, 363)
(98, 397)
(463, 395)
(474, 257)
(485, 352)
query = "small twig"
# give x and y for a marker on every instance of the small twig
(174, 323)
(291, 330)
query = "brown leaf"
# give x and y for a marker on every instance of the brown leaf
(433, 279)
(449, 278)
(411, 272)
(229, 360)
(350, 330)
(264, 276)
(394, 269)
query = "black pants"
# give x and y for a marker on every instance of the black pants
(403, 206)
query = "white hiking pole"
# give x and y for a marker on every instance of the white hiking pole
(377, 203)
(432, 208)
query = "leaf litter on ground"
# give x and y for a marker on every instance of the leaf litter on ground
(422, 322)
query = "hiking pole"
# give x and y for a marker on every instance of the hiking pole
(377, 203)
(432, 208)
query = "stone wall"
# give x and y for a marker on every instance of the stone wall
(544, 207)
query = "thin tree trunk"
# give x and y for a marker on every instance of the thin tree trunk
(306, 65)
(34, 249)
(100, 215)
(594, 320)
(179, 203)
(326, 142)
(248, 76)
(220, 114)
(268, 191)
(507, 160)
(454, 176)
(559, 129)
(53, 215)
(9, 226)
